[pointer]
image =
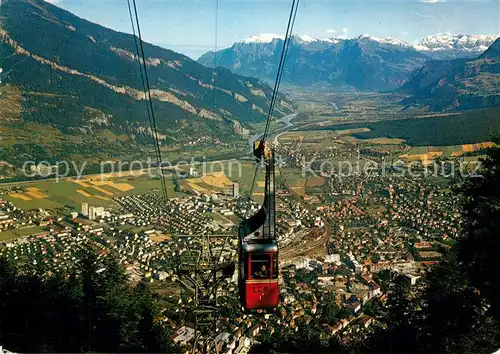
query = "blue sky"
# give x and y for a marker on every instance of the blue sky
(190, 26)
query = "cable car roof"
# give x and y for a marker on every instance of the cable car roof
(259, 245)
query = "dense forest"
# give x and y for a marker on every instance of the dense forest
(90, 307)
(463, 128)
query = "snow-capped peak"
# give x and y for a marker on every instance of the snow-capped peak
(459, 42)
(435, 43)
(361, 36)
(269, 37)
(332, 40)
(394, 41)
(387, 40)
(263, 38)
(307, 39)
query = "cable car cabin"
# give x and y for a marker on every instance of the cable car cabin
(258, 249)
(259, 275)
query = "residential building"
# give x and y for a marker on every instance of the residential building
(85, 209)
(236, 190)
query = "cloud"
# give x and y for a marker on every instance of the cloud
(404, 33)
(345, 30)
(429, 1)
(52, 1)
(330, 30)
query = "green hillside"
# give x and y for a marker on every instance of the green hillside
(83, 79)
(458, 84)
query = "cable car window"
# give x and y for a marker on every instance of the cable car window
(275, 266)
(260, 266)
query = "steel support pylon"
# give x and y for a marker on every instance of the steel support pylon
(201, 270)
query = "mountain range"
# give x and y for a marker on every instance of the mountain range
(457, 84)
(81, 78)
(364, 62)
(447, 46)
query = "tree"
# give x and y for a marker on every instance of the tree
(452, 308)
(480, 248)
(177, 186)
(330, 310)
(401, 335)
(89, 307)
(384, 279)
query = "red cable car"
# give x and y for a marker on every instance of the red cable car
(259, 275)
(258, 249)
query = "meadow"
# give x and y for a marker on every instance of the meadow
(21, 232)
(70, 192)
(73, 193)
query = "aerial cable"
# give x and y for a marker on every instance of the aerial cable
(284, 60)
(284, 48)
(288, 35)
(142, 75)
(154, 130)
(150, 101)
(279, 75)
(214, 71)
(252, 187)
(286, 45)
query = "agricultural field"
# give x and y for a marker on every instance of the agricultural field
(99, 190)
(312, 182)
(21, 232)
(360, 121)
(426, 158)
(242, 172)
(475, 147)
(208, 183)
(239, 171)
(335, 142)
(134, 229)
(351, 131)
(429, 153)
(325, 108)
(324, 138)
(449, 130)
(198, 153)
(375, 141)
(51, 194)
